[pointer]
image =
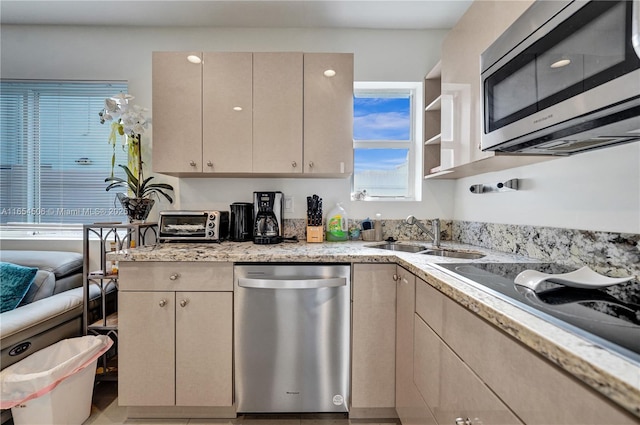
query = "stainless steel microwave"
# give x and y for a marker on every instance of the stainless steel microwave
(193, 226)
(563, 79)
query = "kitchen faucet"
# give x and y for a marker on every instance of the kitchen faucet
(434, 233)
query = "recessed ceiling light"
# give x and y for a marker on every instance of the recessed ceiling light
(329, 73)
(194, 59)
(560, 63)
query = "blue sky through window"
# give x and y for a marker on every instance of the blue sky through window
(383, 119)
(376, 118)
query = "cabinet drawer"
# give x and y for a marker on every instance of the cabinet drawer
(176, 276)
(449, 387)
(430, 305)
(528, 383)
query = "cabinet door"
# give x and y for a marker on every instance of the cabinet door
(204, 348)
(146, 348)
(483, 22)
(410, 406)
(177, 113)
(277, 112)
(528, 383)
(227, 133)
(328, 113)
(374, 328)
(449, 387)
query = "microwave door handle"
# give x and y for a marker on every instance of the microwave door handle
(635, 26)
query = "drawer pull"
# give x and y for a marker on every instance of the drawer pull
(461, 421)
(294, 164)
(162, 303)
(183, 303)
(174, 276)
(396, 277)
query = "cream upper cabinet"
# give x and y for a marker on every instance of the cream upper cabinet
(328, 113)
(480, 26)
(177, 113)
(277, 112)
(373, 336)
(273, 114)
(227, 110)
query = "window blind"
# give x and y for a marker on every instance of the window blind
(54, 153)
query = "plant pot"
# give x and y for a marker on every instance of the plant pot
(137, 209)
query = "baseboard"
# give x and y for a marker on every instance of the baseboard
(372, 413)
(176, 412)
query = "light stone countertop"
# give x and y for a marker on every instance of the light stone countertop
(614, 376)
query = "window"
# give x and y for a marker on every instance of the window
(387, 128)
(54, 153)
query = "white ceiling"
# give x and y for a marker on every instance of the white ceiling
(371, 14)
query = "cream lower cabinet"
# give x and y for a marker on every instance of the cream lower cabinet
(176, 334)
(373, 337)
(450, 388)
(410, 407)
(467, 369)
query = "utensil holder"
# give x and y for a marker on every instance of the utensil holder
(315, 233)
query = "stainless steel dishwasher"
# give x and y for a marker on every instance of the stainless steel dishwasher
(292, 332)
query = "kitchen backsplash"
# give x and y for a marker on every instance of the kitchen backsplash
(612, 254)
(390, 228)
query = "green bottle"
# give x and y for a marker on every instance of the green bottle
(337, 224)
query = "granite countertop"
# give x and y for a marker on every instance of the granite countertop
(614, 376)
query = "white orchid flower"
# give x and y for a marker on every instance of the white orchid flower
(122, 97)
(110, 105)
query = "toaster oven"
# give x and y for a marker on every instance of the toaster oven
(196, 226)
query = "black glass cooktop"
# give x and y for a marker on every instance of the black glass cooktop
(607, 316)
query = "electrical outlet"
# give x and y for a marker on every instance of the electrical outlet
(288, 204)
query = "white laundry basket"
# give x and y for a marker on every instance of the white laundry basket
(54, 385)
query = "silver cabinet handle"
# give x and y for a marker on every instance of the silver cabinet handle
(294, 164)
(209, 164)
(192, 163)
(174, 276)
(463, 421)
(396, 277)
(310, 164)
(162, 302)
(183, 303)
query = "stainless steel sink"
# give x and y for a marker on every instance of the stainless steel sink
(396, 246)
(452, 253)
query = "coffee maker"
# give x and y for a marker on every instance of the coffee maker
(268, 222)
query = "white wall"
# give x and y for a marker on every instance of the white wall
(89, 53)
(597, 190)
(591, 191)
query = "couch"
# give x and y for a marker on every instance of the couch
(52, 308)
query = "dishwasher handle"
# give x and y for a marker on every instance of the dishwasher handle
(292, 283)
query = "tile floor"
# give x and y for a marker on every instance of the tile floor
(105, 411)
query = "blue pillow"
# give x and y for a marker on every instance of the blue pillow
(15, 281)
